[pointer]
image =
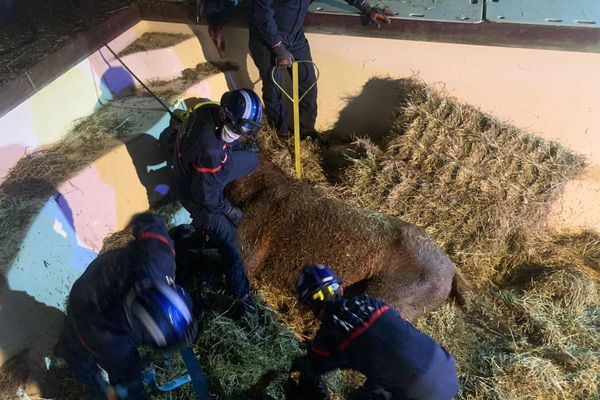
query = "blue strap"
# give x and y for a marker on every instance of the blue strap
(150, 380)
(196, 374)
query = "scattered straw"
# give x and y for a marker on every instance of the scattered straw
(281, 153)
(295, 317)
(537, 336)
(173, 89)
(153, 41)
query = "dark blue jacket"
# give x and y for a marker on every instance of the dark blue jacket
(367, 335)
(95, 304)
(275, 21)
(200, 163)
(271, 21)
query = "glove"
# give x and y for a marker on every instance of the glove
(216, 34)
(284, 57)
(380, 14)
(251, 145)
(235, 215)
(375, 15)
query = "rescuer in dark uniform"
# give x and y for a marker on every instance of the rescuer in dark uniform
(277, 38)
(365, 334)
(208, 156)
(126, 298)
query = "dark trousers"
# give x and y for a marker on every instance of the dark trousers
(117, 355)
(277, 115)
(221, 231)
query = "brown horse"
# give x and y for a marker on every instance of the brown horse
(290, 223)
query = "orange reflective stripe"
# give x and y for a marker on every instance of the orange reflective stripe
(177, 146)
(207, 170)
(320, 352)
(88, 348)
(152, 235)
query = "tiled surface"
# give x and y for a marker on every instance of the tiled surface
(581, 13)
(429, 10)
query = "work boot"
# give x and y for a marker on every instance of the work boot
(309, 134)
(285, 135)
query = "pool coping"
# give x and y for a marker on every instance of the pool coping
(485, 33)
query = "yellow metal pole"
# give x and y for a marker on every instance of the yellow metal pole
(296, 101)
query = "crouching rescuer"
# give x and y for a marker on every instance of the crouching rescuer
(367, 335)
(208, 156)
(124, 299)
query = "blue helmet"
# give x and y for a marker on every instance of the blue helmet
(243, 111)
(317, 282)
(160, 314)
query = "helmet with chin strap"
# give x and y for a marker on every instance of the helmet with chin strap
(243, 111)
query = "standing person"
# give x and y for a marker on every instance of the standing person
(208, 156)
(124, 299)
(216, 13)
(365, 334)
(277, 38)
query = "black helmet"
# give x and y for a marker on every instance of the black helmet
(243, 111)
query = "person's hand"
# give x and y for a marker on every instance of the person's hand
(374, 15)
(235, 215)
(216, 34)
(378, 16)
(284, 57)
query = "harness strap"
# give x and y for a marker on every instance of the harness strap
(196, 374)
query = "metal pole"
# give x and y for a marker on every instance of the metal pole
(173, 115)
(296, 102)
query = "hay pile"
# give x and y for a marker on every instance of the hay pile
(239, 361)
(474, 183)
(281, 153)
(173, 90)
(482, 189)
(537, 335)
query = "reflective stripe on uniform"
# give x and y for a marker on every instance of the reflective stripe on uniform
(348, 341)
(152, 235)
(320, 352)
(207, 170)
